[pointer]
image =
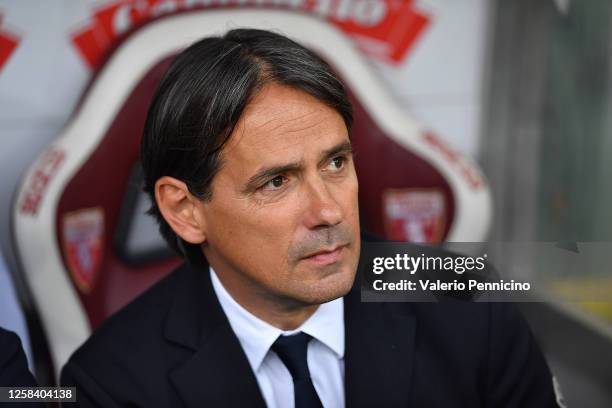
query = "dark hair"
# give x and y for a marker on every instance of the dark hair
(201, 98)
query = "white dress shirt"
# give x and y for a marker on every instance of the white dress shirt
(325, 350)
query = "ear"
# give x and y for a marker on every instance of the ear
(180, 209)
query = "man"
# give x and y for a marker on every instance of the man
(247, 158)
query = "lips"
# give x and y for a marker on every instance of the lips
(326, 256)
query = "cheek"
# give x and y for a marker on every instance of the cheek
(352, 213)
(254, 235)
(350, 191)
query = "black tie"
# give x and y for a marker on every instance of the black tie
(292, 351)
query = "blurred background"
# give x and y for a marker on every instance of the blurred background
(519, 90)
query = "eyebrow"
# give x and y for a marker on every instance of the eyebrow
(269, 172)
(344, 148)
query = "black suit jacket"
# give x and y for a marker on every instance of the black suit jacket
(14, 370)
(173, 347)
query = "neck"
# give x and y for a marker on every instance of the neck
(283, 319)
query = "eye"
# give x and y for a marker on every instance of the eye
(337, 163)
(275, 183)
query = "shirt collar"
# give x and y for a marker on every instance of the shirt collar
(257, 336)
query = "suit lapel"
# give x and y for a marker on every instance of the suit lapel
(215, 371)
(379, 352)
(218, 375)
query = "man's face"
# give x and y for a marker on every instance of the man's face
(283, 221)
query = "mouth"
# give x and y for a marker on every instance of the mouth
(326, 256)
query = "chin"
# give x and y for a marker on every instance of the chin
(327, 288)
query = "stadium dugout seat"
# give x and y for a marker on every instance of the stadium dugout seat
(86, 248)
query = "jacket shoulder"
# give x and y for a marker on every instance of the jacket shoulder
(114, 367)
(131, 329)
(13, 363)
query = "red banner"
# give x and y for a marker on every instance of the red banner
(8, 43)
(384, 29)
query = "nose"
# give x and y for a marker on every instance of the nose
(323, 210)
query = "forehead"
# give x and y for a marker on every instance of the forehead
(284, 120)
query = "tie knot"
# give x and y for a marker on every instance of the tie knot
(292, 350)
